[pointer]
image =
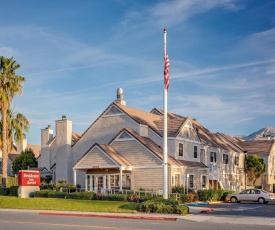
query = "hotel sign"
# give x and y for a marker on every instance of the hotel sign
(28, 178)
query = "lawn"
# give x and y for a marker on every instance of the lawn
(67, 205)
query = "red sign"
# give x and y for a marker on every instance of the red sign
(28, 178)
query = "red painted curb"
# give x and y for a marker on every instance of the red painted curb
(108, 216)
(205, 211)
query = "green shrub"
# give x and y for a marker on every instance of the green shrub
(160, 206)
(81, 196)
(45, 186)
(165, 201)
(42, 193)
(14, 190)
(115, 197)
(181, 209)
(55, 194)
(4, 191)
(213, 195)
(145, 198)
(179, 189)
(183, 198)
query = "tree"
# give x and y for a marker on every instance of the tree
(10, 85)
(254, 167)
(24, 160)
(17, 125)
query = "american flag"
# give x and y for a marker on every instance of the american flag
(166, 73)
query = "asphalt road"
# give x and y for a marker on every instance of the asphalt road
(220, 219)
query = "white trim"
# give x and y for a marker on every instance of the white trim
(149, 167)
(124, 139)
(184, 139)
(99, 167)
(113, 115)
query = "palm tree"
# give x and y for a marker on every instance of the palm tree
(10, 85)
(17, 125)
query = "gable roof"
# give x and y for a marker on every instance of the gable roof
(259, 147)
(35, 148)
(149, 144)
(110, 151)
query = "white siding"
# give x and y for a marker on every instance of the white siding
(135, 153)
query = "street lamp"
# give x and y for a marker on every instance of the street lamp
(245, 154)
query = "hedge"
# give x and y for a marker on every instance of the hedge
(14, 190)
(55, 194)
(4, 191)
(42, 193)
(81, 195)
(213, 195)
(115, 197)
(159, 206)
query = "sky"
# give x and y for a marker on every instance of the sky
(76, 54)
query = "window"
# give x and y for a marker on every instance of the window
(195, 151)
(225, 159)
(213, 157)
(180, 149)
(203, 184)
(191, 181)
(236, 160)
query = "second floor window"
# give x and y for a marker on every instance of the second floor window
(195, 151)
(225, 159)
(180, 149)
(213, 157)
(236, 160)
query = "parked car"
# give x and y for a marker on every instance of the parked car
(257, 195)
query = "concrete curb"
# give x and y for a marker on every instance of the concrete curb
(103, 215)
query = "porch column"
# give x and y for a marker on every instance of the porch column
(74, 178)
(104, 184)
(120, 179)
(86, 182)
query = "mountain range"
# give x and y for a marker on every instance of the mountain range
(263, 134)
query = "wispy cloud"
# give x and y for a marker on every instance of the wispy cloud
(172, 12)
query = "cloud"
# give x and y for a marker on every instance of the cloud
(256, 46)
(8, 52)
(173, 12)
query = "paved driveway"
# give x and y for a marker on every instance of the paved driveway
(238, 213)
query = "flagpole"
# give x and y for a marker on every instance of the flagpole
(165, 166)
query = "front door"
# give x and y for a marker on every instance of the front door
(96, 183)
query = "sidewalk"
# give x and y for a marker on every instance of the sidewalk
(140, 216)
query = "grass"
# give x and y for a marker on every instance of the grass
(67, 205)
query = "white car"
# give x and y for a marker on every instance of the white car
(257, 195)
